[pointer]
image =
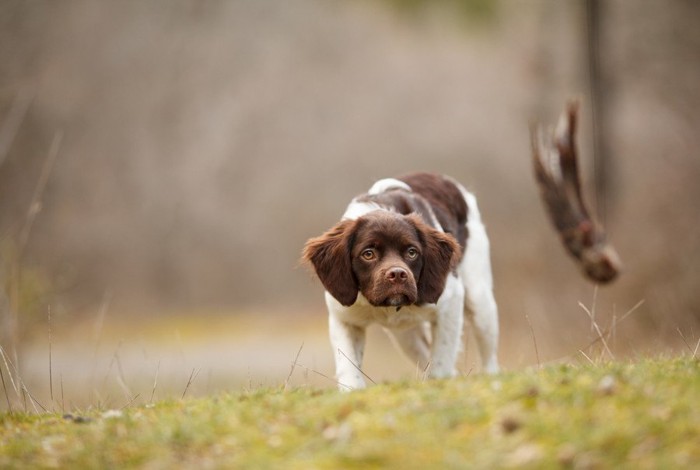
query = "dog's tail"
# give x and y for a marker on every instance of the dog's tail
(556, 170)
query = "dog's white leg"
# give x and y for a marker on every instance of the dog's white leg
(479, 303)
(447, 330)
(482, 314)
(348, 342)
(414, 342)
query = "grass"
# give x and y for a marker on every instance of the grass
(620, 414)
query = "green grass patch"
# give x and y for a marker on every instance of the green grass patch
(642, 414)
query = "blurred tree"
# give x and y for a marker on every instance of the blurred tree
(600, 92)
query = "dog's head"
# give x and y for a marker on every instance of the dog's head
(394, 260)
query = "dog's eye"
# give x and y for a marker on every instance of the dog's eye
(412, 253)
(368, 254)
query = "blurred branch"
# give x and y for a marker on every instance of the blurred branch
(13, 121)
(35, 205)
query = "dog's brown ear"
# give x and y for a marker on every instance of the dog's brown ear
(330, 256)
(441, 253)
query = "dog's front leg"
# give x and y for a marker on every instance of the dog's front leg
(447, 331)
(348, 342)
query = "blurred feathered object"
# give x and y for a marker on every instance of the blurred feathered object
(556, 170)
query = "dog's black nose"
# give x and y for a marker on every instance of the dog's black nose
(397, 275)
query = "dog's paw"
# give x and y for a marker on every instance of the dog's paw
(349, 383)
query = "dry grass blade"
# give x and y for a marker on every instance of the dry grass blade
(22, 387)
(155, 383)
(630, 311)
(687, 345)
(357, 367)
(534, 341)
(616, 322)
(120, 373)
(422, 372)
(291, 371)
(9, 372)
(586, 356)
(555, 161)
(597, 330)
(34, 400)
(4, 388)
(97, 331)
(130, 401)
(189, 382)
(308, 369)
(426, 371)
(63, 403)
(593, 306)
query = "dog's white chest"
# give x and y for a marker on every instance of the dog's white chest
(406, 317)
(363, 314)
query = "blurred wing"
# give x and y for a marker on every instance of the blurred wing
(556, 171)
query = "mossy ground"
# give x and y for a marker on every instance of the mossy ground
(641, 414)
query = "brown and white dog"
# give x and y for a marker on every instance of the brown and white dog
(413, 256)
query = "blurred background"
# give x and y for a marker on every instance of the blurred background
(162, 164)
